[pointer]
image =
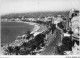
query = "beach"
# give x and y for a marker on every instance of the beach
(36, 26)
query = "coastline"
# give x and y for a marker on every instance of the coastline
(19, 42)
(36, 26)
(35, 29)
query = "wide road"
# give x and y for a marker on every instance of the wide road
(54, 40)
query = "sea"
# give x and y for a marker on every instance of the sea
(10, 31)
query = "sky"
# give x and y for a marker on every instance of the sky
(18, 6)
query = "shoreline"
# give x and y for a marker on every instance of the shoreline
(19, 42)
(35, 29)
(36, 26)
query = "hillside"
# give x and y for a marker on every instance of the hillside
(35, 14)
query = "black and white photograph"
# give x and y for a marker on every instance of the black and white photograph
(39, 27)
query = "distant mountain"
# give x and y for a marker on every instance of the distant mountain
(35, 14)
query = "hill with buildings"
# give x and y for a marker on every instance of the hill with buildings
(35, 14)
